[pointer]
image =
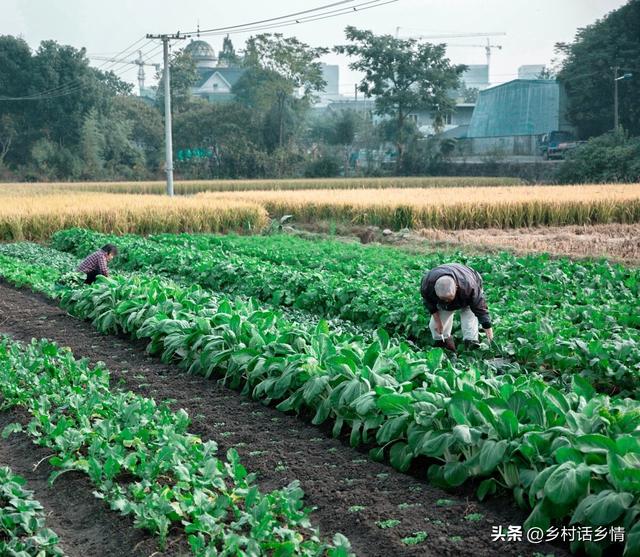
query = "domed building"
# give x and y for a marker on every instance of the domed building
(216, 78)
(202, 53)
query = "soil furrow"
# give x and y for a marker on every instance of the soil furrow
(85, 524)
(349, 492)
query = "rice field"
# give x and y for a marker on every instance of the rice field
(36, 217)
(453, 208)
(199, 186)
(35, 211)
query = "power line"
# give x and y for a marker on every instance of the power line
(73, 85)
(370, 4)
(272, 19)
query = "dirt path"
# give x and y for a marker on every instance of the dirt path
(350, 492)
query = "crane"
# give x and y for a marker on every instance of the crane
(487, 47)
(138, 61)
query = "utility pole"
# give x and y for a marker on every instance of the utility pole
(168, 141)
(616, 118)
(626, 75)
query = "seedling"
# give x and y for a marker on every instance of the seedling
(415, 539)
(390, 523)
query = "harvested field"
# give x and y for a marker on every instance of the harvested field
(618, 242)
(453, 208)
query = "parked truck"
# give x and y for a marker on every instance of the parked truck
(556, 144)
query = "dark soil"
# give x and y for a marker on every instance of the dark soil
(349, 492)
(84, 524)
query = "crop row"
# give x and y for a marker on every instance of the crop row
(22, 521)
(556, 315)
(144, 463)
(63, 274)
(566, 456)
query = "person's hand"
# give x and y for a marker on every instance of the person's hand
(437, 323)
(489, 333)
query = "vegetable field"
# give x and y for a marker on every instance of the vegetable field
(335, 334)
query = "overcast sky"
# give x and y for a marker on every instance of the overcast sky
(532, 27)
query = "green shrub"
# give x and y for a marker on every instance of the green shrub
(612, 157)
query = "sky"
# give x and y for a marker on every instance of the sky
(532, 27)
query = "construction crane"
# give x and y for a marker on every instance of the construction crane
(138, 62)
(487, 47)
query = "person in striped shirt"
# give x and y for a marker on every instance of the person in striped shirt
(97, 263)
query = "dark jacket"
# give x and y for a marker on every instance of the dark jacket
(469, 292)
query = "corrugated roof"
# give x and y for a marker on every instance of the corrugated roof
(518, 107)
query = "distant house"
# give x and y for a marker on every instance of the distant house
(216, 79)
(215, 84)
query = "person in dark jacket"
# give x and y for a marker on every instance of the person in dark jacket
(97, 263)
(453, 287)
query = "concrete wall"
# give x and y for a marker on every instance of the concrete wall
(508, 145)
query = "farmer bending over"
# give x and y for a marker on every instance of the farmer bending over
(96, 263)
(448, 288)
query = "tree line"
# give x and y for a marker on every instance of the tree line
(61, 119)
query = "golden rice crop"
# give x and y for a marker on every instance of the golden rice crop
(454, 208)
(37, 217)
(198, 186)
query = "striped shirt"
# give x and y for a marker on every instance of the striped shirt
(97, 261)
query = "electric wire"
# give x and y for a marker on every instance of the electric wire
(73, 85)
(272, 19)
(363, 6)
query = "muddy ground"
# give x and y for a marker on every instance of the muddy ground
(349, 492)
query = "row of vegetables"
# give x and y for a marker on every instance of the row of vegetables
(555, 316)
(144, 463)
(567, 455)
(23, 529)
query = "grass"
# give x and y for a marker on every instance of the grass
(452, 208)
(36, 217)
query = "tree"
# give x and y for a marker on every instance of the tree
(92, 147)
(59, 126)
(147, 131)
(468, 94)
(404, 76)
(587, 72)
(611, 157)
(8, 133)
(343, 133)
(184, 75)
(289, 75)
(229, 133)
(228, 56)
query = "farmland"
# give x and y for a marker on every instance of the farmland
(334, 334)
(36, 217)
(36, 211)
(453, 208)
(189, 187)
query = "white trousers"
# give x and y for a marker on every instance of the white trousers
(468, 321)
